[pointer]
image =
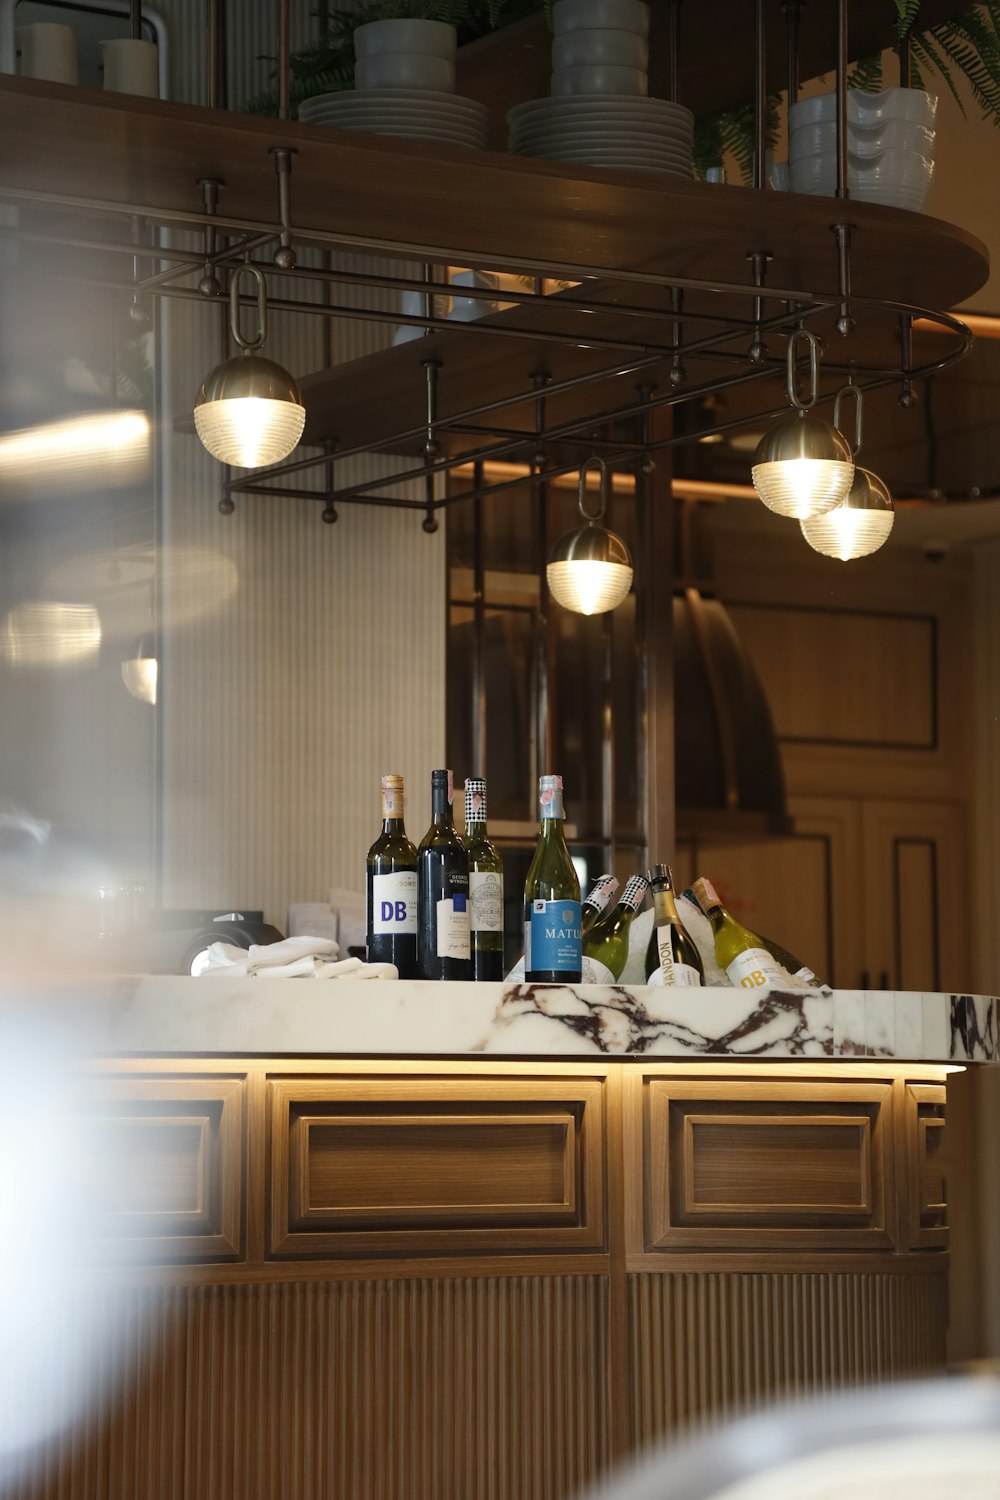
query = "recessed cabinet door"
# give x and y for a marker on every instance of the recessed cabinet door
(917, 931)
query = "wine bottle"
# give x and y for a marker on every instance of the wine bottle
(392, 887)
(789, 962)
(671, 957)
(598, 899)
(443, 943)
(552, 938)
(739, 951)
(485, 887)
(605, 947)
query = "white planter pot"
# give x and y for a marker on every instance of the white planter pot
(402, 54)
(620, 49)
(613, 15)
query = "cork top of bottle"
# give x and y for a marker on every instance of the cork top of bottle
(392, 795)
(550, 784)
(550, 797)
(475, 800)
(444, 781)
(635, 892)
(705, 894)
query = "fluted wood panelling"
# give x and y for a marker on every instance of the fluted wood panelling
(706, 1345)
(282, 704)
(466, 1389)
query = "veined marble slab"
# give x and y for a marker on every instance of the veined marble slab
(410, 1019)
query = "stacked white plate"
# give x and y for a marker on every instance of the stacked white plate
(414, 114)
(890, 146)
(618, 131)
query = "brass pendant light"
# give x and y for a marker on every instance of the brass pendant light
(803, 466)
(861, 523)
(249, 411)
(590, 570)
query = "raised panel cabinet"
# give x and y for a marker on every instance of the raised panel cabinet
(165, 1165)
(737, 1165)
(400, 1166)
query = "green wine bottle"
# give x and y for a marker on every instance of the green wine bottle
(671, 957)
(605, 948)
(552, 939)
(739, 951)
(443, 946)
(392, 887)
(596, 904)
(485, 887)
(788, 961)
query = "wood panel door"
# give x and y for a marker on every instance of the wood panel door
(916, 908)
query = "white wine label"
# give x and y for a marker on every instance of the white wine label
(394, 903)
(665, 948)
(486, 901)
(753, 969)
(684, 976)
(806, 975)
(453, 926)
(594, 972)
(553, 942)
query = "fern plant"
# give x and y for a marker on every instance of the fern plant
(968, 43)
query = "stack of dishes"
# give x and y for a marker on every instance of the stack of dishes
(414, 114)
(620, 131)
(890, 146)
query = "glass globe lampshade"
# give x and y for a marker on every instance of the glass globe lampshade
(249, 412)
(858, 526)
(590, 570)
(803, 467)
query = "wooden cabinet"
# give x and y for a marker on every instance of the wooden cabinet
(437, 1281)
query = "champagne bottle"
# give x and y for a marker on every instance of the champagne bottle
(597, 901)
(671, 957)
(392, 887)
(552, 938)
(739, 951)
(605, 948)
(485, 887)
(443, 945)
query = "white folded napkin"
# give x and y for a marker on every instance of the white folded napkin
(293, 958)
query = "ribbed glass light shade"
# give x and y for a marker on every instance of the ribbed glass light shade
(249, 412)
(590, 571)
(803, 467)
(857, 527)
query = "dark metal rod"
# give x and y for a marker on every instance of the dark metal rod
(792, 9)
(135, 19)
(283, 167)
(478, 696)
(845, 320)
(252, 243)
(760, 98)
(247, 488)
(216, 54)
(842, 186)
(472, 430)
(284, 54)
(674, 84)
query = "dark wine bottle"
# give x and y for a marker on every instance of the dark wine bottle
(485, 887)
(392, 887)
(443, 946)
(671, 957)
(553, 945)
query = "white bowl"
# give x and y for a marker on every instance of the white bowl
(622, 49)
(600, 78)
(613, 15)
(867, 109)
(899, 135)
(434, 37)
(405, 70)
(902, 178)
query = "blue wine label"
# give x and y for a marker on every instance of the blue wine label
(553, 940)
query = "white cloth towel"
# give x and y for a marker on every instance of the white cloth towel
(293, 958)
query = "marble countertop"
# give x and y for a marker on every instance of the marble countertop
(243, 1017)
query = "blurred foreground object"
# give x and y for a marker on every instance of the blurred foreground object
(924, 1440)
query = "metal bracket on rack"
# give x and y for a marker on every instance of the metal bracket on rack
(759, 260)
(845, 321)
(210, 285)
(284, 256)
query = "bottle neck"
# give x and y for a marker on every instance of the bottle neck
(392, 807)
(664, 905)
(475, 810)
(600, 894)
(442, 813)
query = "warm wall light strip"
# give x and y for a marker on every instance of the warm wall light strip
(981, 325)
